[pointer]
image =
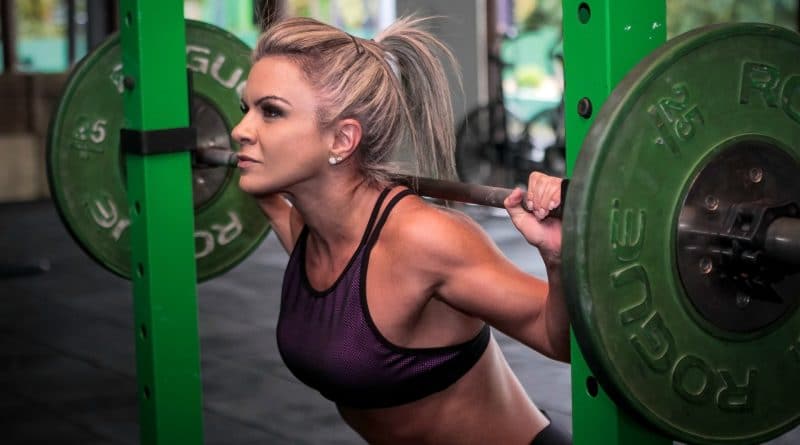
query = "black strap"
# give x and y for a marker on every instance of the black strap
(395, 199)
(375, 211)
(153, 142)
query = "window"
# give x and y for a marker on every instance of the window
(363, 18)
(234, 16)
(51, 34)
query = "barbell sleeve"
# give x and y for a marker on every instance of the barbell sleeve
(782, 240)
(215, 157)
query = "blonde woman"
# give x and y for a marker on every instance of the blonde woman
(387, 298)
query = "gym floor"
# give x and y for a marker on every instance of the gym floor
(67, 359)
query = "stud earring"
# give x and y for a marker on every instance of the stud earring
(333, 160)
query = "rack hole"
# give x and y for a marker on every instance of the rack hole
(591, 386)
(584, 13)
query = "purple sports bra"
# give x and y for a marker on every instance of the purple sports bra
(329, 341)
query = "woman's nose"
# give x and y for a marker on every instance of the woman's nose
(240, 133)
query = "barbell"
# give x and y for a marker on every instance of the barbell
(433, 188)
(680, 231)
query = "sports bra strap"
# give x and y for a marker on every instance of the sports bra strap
(301, 240)
(377, 230)
(375, 211)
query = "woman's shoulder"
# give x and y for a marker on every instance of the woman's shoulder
(422, 227)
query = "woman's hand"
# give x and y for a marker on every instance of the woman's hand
(543, 195)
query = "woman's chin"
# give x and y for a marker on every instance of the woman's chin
(247, 187)
(254, 189)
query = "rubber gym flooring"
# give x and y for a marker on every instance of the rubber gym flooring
(67, 360)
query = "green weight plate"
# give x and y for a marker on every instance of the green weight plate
(86, 170)
(680, 108)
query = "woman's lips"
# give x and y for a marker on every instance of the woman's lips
(245, 160)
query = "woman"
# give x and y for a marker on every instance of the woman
(386, 297)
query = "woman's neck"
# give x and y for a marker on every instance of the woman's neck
(336, 213)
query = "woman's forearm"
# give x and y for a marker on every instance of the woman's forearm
(556, 313)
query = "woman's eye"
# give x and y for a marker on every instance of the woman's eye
(271, 111)
(243, 106)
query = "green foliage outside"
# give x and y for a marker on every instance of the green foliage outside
(539, 22)
(319, 9)
(354, 16)
(40, 18)
(532, 15)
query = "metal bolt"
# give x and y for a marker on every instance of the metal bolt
(585, 108)
(706, 266)
(712, 203)
(756, 174)
(742, 300)
(128, 82)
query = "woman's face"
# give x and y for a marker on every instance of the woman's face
(281, 143)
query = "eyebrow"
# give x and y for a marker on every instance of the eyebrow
(263, 99)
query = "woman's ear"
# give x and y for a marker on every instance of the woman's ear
(347, 136)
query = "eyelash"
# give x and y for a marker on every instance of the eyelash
(269, 111)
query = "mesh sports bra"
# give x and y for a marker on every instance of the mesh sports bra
(329, 341)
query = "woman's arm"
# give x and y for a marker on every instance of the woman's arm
(473, 276)
(544, 194)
